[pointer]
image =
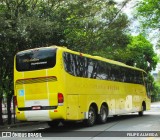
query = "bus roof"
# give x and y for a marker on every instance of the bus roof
(63, 48)
(100, 58)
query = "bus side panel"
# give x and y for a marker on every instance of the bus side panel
(112, 106)
(128, 103)
(20, 115)
(20, 95)
(73, 108)
(148, 103)
(131, 98)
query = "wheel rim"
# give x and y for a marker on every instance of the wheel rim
(91, 116)
(103, 114)
(142, 109)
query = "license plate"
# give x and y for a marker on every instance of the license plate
(36, 108)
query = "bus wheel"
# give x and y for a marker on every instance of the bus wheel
(102, 117)
(141, 112)
(91, 117)
(53, 124)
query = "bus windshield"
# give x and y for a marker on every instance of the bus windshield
(36, 59)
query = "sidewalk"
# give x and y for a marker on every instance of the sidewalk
(19, 124)
(16, 123)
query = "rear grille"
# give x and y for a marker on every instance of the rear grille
(36, 80)
(42, 108)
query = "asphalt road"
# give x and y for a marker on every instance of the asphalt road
(122, 127)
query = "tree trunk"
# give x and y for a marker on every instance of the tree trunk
(1, 118)
(9, 99)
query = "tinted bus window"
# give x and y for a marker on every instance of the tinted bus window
(36, 59)
(96, 69)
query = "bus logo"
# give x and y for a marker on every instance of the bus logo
(6, 134)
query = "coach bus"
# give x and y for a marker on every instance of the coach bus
(56, 84)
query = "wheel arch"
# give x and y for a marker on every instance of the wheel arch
(94, 105)
(144, 105)
(104, 104)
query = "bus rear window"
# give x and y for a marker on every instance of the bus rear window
(36, 59)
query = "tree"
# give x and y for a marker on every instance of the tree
(149, 13)
(6, 69)
(95, 26)
(149, 16)
(156, 90)
(139, 52)
(16, 35)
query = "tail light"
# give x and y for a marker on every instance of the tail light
(60, 98)
(15, 100)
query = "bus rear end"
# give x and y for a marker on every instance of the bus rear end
(36, 82)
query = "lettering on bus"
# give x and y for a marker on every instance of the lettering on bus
(30, 60)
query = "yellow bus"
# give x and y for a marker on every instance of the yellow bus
(56, 84)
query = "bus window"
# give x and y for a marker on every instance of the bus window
(36, 59)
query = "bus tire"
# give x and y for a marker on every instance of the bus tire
(102, 117)
(53, 124)
(91, 117)
(140, 113)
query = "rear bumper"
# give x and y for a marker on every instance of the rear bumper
(40, 115)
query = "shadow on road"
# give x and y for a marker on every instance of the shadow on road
(76, 126)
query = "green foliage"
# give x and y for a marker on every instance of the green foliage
(155, 92)
(149, 13)
(139, 52)
(142, 53)
(99, 26)
(149, 16)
